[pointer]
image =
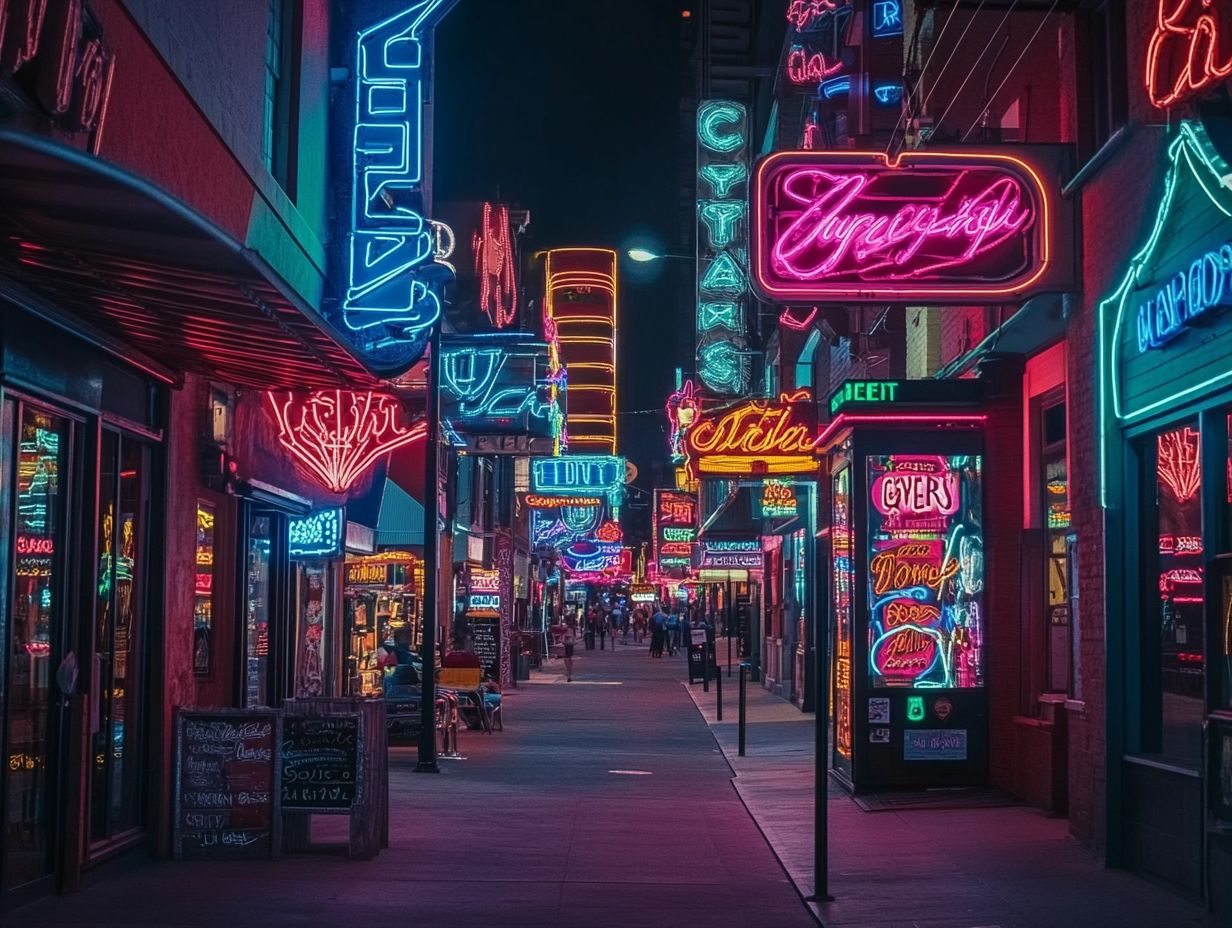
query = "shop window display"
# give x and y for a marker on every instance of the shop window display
(1180, 597)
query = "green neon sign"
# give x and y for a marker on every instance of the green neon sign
(915, 708)
(864, 391)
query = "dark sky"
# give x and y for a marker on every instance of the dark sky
(569, 108)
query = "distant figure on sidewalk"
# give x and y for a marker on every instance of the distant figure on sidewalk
(570, 640)
(639, 624)
(601, 628)
(673, 633)
(658, 632)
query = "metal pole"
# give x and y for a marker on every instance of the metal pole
(705, 664)
(731, 615)
(427, 727)
(821, 717)
(744, 671)
(718, 683)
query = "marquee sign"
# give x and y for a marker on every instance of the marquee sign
(579, 475)
(1190, 49)
(675, 531)
(932, 226)
(731, 555)
(757, 437)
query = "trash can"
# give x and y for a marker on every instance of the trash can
(523, 670)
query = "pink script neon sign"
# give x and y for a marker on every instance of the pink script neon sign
(933, 225)
(919, 490)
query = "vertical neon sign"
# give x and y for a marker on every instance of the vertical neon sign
(392, 278)
(722, 244)
(925, 571)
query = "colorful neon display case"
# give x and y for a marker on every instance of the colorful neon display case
(906, 599)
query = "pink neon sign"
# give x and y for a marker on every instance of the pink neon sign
(920, 491)
(805, 66)
(933, 225)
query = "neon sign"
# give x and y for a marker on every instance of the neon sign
(887, 18)
(930, 226)
(391, 297)
(483, 588)
(778, 499)
(493, 247)
(888, 93)
(683, 408)
(499, 384)
(1179, 464)
(592, 556)
(756, 437)
(722, 177)
(318, 534)
(1183, 300)
(556, 502)
(675, 530)
(1185, 52)
(809, 67)
(925, 571)
(578, 474)
(33, 544)
(610, 531)
(335, 435)
(803, 15)
(581, 301)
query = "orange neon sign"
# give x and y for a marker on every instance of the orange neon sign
(756, 437)
(1189, 50)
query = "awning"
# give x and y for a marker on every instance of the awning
(137, 265)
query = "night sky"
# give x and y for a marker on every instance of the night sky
(570, 110)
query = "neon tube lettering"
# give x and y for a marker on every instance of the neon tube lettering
(805, 68)
(920, 238)
(1188, 37)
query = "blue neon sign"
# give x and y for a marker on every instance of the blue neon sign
(889, 93)
(391, 300)
(887, 18)
(318, 534)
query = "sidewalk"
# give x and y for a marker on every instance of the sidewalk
(1008, 867)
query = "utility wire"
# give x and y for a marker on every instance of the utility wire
(1017, 61)
(924, 70)
(974, 65)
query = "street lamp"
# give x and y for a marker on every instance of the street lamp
(643, 255)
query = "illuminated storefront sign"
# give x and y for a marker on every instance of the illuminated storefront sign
(565, 524)
(725, 554)
(593, 556)
(642, 593)
(556, 502)
(1178, 463)
(925, 571)
(391, 300)
(576, 474)
(675, 531)
(494, 266)
(756, 437)
(777, 500)
(335, 435)
(933, 226)
(1186, 298)
(887, 18)
(499, 385)
(318, 534)
(1188, 52)
(722, 237)
(390, 568)
(483, 592)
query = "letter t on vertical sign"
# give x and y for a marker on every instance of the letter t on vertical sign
(722, 243)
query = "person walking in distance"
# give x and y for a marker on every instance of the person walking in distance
(570, 639)
(658, 632)
(672, 622)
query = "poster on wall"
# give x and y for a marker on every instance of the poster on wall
(925, 571)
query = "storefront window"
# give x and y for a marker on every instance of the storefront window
(1056, 531)
(38, 540)
(203, 592)
(310, 662)
(257, 610)
(1181, 616)
(925, 571)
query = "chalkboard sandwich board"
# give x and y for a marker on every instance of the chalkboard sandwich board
(226, 784)
(321, 770)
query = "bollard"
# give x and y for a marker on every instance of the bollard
(706, 668)
(744, 669)
(718, 688)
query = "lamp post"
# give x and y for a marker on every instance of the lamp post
(645, 255)
(427, 728)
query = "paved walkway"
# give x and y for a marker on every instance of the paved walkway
(993, 867)
(605, 802)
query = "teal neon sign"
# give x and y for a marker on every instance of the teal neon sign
(863, 391)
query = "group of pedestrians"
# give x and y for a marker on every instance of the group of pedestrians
(667, 631)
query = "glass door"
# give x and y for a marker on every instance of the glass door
(33, 519)
(116, 797)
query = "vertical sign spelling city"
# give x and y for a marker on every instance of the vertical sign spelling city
(722, 245)
(391, 301)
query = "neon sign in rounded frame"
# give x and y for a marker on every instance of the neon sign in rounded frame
(848, 226)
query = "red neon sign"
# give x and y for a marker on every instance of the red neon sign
(32, 544)
(757, 437)
(335, 435)
(493, 246)
(803, 14)
(610, 531)
(1189, 51)
(930, 226)
(805, 67)
(1179, 465)
(676, 509)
